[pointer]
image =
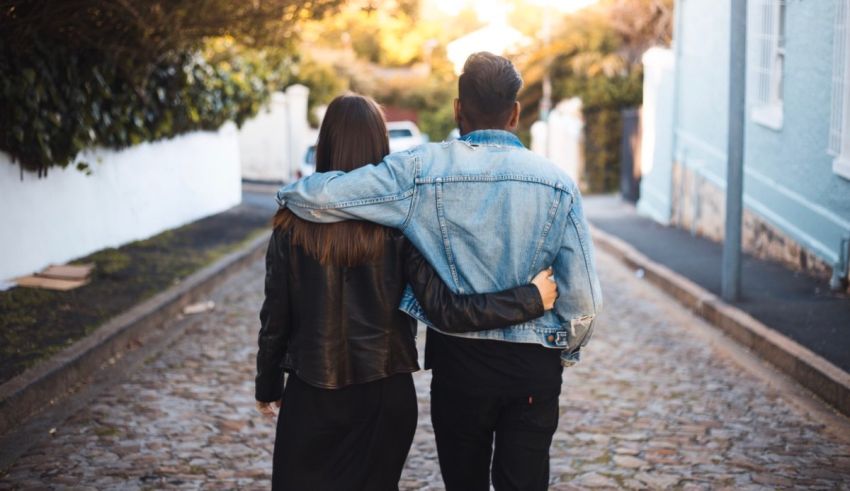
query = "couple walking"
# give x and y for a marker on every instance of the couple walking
(460, 235)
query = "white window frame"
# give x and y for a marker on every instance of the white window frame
(769, 62)
(839, 129)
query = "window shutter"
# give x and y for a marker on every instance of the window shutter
(839, 77)
(765, 39)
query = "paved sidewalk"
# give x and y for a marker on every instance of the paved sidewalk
(659, 401)
(794, 304)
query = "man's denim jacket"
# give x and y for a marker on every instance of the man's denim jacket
(487, 213)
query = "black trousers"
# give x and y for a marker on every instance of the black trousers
(466, 427)
(354, 438)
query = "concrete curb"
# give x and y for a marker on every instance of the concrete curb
(27, 394)
(812, 371)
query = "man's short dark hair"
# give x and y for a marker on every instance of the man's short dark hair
(487, 90)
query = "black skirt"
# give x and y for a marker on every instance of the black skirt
(353, 438)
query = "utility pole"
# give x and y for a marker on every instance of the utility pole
(546, 34)
(546, 100)
(731, 273)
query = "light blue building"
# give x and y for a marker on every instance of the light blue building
(797, 137)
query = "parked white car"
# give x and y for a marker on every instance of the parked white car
(403, 135)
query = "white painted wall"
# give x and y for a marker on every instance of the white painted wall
(132, 194)
(540, 138)
(273, 143)
(296, 105)
(560, 137)
(264, 142)
(567, 137)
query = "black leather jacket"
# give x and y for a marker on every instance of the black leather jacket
(334, 326)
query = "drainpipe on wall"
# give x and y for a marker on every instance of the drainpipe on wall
(730, 284)
(841, 269)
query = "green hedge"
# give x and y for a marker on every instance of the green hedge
(57, 102)
(602, 130)
(603, 100)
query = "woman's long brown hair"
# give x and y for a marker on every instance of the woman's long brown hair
(353, 134)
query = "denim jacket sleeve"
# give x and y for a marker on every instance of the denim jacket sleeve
(274, 324)
(380, 193)
(453, 312)
(579, 299)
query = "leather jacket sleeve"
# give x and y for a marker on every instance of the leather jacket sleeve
(274, 323)
(466, 313)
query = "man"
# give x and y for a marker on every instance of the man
(487, 214)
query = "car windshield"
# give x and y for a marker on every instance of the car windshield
(400, 133)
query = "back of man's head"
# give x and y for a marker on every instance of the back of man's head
(487, 91)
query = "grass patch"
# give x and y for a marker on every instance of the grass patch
(35, 324)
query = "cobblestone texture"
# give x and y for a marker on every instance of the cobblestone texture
(650, 407)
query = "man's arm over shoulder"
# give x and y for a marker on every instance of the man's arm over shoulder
(380, 193)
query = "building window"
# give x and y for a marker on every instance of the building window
(768, 62)
(839, 129)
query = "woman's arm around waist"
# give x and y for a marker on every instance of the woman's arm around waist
(453, 312)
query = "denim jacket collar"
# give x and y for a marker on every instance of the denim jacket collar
(492, 137)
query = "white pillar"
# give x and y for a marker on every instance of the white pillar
(561, 136)
(539, 138)
(566, 137)
(264, 142)
(657, 133)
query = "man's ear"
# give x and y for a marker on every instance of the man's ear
(513, 122)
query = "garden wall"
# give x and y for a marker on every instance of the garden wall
(131, 194)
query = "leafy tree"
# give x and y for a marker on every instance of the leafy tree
(596, 55)
(147, 31)
(393, 52)
(324, 81)
(430, 96)
(79, 73)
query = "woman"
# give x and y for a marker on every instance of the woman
(331, 320)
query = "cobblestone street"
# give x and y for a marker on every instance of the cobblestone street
(654, 404)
